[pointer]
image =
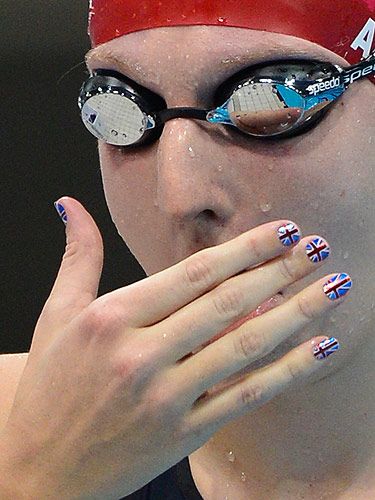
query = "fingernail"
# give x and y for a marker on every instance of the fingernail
(61, 211)
(289, 234)
(338, 286)
(325, 348)
(317, 250)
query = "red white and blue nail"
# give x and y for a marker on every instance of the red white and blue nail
(325, 348)
(338, 286)
(61, 211)
(317, 250)
(289, 234)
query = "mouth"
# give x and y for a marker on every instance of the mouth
(264, 307)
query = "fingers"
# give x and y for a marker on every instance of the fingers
(212, 313)
(78, 278)
(160, 295)
(256, 338)
(212, 412)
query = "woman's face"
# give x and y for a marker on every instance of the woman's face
(200, 185)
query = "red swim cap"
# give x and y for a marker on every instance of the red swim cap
(346, 27)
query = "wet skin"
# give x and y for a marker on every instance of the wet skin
(200, 185)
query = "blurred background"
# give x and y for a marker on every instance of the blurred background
(45, 153)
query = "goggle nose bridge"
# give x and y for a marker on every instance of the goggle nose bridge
(181, 112)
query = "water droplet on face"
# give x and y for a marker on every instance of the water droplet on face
(243, 476)
(191, 152)
(230, 456)
(270, 167)
(265, 207)
(220, 168)
(164, 335)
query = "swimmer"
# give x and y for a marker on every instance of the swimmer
(236, 142)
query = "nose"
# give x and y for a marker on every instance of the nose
(188, 187)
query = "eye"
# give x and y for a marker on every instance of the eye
(301, 70)
(270, 101)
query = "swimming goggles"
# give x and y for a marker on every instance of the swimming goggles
(278, 99)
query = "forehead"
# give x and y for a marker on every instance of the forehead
(199, 52)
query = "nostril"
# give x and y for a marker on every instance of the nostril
(208, 214)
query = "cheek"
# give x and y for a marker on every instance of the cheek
(129, 186)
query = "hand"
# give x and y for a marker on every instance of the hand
(112, 396)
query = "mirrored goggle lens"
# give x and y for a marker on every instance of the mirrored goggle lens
(114, 118)
(266, 109)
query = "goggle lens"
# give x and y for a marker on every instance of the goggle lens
(114, 118)
(262, 109)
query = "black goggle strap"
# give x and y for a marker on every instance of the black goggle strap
(343, 79)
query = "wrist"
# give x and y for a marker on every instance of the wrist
(16, 481)
(9, 486)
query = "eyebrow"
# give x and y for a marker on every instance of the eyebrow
(103, 54)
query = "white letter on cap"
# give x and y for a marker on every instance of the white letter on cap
(365, 38)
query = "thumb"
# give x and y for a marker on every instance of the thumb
(77, 282)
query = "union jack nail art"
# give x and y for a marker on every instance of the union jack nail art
(61, 211)
(325, 348)
(289, 234)
(338, 286)
(317, 250)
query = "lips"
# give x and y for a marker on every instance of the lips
(265, 306)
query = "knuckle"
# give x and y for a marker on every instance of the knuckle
(255, 248)
(161, 401)
(134, 371)
(130, 369)
(228, 301)
(100, 318)
(199, 270)
(285, 268)
(251, 394)
(294, 371)
(164, 400)
(71, 254)
(249, 345)
(305, 307)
